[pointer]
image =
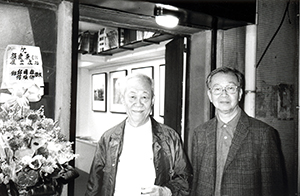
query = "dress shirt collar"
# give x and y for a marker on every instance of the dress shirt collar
(232, 123)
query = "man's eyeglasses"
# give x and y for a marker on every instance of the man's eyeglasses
(217, 90)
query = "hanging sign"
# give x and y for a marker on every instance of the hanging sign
(22, 73)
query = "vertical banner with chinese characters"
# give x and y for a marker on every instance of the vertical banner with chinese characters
(22, 73)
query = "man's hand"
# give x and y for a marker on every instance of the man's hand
(156, 191)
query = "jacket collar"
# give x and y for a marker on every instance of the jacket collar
(239, 136)
(156, 130)
(116, 139)
(211, 136)
(238, 139)
(119, 130)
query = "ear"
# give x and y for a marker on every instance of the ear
(240, 94)
(209, 95)
(153, 100)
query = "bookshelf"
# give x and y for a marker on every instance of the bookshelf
(98, 43)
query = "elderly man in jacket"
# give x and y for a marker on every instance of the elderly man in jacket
(139, 156)
(234, 154)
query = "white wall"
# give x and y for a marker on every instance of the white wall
(94, 124)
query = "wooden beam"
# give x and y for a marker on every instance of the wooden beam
(45, 4)
(115, 18)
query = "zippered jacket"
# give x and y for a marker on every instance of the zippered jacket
(171, 165)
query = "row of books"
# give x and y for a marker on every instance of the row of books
(108, 38)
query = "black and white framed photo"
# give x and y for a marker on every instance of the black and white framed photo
(148, 71)
(99, 85)
(115, 96)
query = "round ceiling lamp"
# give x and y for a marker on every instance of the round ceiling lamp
(166, 15)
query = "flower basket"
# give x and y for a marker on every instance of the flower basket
(45, 189)
(51, 188)
(34, 155)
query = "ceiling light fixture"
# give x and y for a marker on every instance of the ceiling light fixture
(166, 15)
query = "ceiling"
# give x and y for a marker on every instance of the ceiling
(198, 14)
(142, 54)
(139, 15)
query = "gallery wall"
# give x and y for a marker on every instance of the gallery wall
(93, 123)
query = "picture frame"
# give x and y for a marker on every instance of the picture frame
(116, 105)
(144, 70)
(162, 72)
(99, 91)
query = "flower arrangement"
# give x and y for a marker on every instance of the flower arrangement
(34, 155)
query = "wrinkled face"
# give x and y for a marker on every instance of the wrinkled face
(138, 101)
(225, 102)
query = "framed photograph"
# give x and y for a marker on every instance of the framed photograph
(144, 70)
(162, 89)
(99, 92)
(115, 97)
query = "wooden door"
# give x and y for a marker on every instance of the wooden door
(173, 83)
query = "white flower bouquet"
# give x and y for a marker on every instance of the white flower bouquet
(34, 155)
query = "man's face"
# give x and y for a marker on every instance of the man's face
(138, 101)
(225, 102)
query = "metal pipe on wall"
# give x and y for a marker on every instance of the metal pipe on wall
(250, 69)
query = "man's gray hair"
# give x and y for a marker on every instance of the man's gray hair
(121, 83)
(226, 70)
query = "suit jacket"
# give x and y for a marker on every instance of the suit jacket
(254, 166)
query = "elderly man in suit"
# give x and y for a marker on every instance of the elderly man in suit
(234, 154)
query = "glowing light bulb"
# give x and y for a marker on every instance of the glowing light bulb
(166, 15)
(167, 21)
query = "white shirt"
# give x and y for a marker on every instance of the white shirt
(135, 168)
